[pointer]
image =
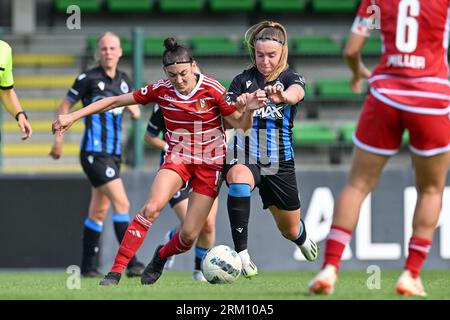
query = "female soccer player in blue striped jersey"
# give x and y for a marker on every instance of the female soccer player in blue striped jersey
(100, 153)
(264, 158)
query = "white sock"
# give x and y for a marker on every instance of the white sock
(245, 257)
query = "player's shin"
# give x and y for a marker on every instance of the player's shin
(91, 239)
(174, 246)
(239, 212)
(337, 239)
(132, 241)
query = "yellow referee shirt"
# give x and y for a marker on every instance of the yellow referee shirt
(6, 76)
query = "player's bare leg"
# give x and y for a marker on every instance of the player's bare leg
(166, 183)
(431, 174)
(199, 206)
(241, 182)
(364, 175)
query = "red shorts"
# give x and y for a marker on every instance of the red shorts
(203, 178)
(380, 130)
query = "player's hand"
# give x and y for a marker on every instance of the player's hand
(62, 123)
(135, 112)
(356, 85)
(275, 93)
(25, 127)
(56, 150)
(253, 101)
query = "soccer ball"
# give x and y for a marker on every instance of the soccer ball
(221, 264)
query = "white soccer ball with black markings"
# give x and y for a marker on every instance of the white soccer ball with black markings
(221, 264)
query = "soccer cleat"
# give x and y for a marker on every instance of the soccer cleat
(154, 269)
(409, 286)
(249, 270)
(171, 259)
(325, 281)
(135, 269)
(309, 249)
(198, 276)
(93, 273)
(111, 279)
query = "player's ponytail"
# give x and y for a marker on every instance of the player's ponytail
(268, 30)
(175, 53)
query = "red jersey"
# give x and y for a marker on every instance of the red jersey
(412, 74)
(194, 122)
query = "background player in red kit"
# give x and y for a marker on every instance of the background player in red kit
(409, 89)
(194, 107)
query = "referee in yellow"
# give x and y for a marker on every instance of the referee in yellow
(7, 92)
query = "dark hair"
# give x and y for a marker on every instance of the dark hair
(175, 53)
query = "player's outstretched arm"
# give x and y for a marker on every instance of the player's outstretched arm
(57, 147)
(62, 123)
(291, 96)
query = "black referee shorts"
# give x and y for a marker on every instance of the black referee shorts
(278, 189)
(100, 168)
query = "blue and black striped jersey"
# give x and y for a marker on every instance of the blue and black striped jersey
(102, 131)
(270, 140)
(156, 125)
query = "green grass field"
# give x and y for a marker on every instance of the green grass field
(179, 286)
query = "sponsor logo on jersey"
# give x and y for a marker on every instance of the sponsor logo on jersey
(101, 85)
(271, 111)
(248, 83)
(144, 91)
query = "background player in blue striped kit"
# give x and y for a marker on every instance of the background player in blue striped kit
(100, 154)
(264, 157)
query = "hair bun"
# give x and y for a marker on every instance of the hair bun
(170, 44)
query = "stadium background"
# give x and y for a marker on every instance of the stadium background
(52, 196)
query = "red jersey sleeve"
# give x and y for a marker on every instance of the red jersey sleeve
(145, 95)
(367, 18)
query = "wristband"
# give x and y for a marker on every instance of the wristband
(19, 113)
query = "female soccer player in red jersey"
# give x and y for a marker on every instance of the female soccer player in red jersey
(409, 89)
(194, 107)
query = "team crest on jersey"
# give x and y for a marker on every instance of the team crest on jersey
(101, 85)
(110, 172)
(124, 87)
(278, 84)
(201, 104)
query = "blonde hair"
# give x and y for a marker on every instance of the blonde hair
(268, 30)
(107, 33)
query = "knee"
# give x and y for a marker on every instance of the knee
(188, 237)
(208, 228)
(152, 210)
(237, 174)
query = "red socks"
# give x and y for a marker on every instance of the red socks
(418, 251)
(132, 241)
(337, 239)
(174, 246)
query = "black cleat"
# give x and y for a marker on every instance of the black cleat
(154, 269)
(93, 273)
(135, 270)
(111, 279)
